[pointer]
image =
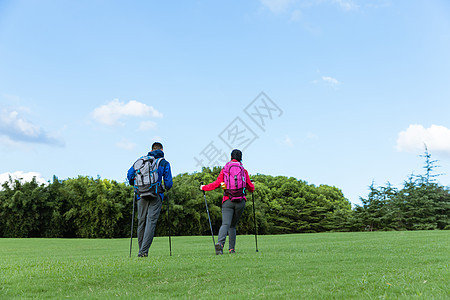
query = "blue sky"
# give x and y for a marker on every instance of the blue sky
(334, 92)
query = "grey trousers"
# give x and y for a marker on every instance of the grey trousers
(148, 214)
(231, 212)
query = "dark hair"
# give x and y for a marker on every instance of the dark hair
(157, 146)
(236, 154)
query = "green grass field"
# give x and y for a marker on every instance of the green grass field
(369, 265)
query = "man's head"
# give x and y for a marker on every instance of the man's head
(157, 146)
(236, 154)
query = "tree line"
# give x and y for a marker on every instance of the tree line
(86, 207)
(421, 204)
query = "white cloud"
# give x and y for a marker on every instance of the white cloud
(311, 136)
(277, 6)
(111, 113)
(147, 125)
(414, 138)
(288, 141)
(7, 142)
(125, 144)
(14, 128)
(22, 176)
(330, 80)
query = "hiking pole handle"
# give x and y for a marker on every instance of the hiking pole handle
(201, 182)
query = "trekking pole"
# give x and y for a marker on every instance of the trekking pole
(209, 218)
(132, 223)
(254, 219)
(168, 223)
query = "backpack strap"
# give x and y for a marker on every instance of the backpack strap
(159, 183)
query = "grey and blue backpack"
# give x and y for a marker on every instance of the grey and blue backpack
(146, 183)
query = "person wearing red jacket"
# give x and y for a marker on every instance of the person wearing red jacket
(235, 181)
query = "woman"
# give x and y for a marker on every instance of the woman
(235, 182)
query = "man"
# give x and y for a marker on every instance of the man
(149, 207)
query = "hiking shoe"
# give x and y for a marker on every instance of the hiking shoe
(232, 251)
(143, 255)
(219, 249)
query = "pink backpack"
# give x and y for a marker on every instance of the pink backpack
(234, 177)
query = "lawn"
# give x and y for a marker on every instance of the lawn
(369, 265)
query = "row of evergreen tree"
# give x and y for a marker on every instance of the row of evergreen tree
(85, 207)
